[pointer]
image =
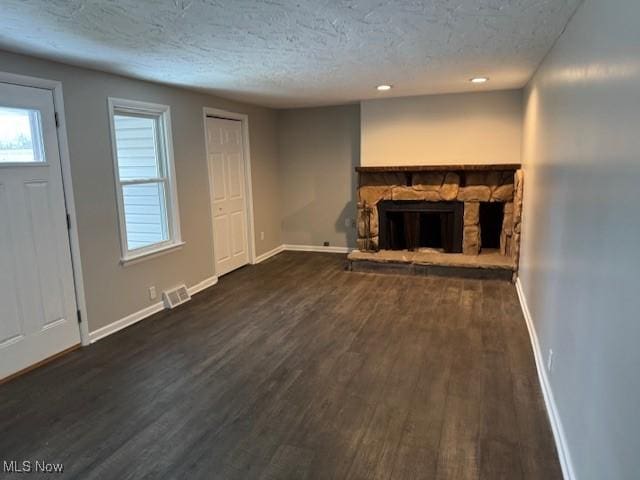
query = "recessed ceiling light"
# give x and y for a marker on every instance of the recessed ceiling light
(479, 80)
(383, 88)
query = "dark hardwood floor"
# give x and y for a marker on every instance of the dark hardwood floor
(295, 368)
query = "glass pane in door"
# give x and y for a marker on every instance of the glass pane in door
(20, 136)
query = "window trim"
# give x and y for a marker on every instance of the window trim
(165, 154)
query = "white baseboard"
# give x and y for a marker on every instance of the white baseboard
(118, 325)
(269, 254)
(206, 283)
(301, 248)
(144, 313)
(316, 248)
(552, 411)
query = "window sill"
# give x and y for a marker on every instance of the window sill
(149, 254)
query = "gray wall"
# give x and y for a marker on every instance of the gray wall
(114, 291)
(319, 149)
(580, 258)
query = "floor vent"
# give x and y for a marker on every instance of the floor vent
(177, 296)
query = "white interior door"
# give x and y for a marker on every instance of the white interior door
(37, 299)
(228, 199)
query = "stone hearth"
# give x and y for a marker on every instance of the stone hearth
(488, 264)
(470, 185)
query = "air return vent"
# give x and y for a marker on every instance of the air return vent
(177, 296)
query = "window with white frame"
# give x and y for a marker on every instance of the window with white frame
(145, 178)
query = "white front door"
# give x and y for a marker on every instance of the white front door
(228, 199)
(37, 299)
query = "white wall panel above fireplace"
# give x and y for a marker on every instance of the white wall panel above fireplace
(467, 128)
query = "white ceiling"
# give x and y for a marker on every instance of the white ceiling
(286, 53)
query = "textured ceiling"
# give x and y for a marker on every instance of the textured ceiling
(292, 53)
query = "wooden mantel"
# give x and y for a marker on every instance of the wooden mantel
(439, 168)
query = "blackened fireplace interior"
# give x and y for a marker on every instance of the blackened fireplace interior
(410, 225)
(491, 217)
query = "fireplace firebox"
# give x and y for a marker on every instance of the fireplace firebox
(410, 225)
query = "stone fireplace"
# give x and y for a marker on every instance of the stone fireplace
(468, 210)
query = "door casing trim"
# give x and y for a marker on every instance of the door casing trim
(55, 87)
(244, 119)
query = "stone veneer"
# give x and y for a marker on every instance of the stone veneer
(468, 186)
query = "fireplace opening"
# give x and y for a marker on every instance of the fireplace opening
(491, 217)
(413, 230)
(431, 232)
(411, 225)
(396, 226)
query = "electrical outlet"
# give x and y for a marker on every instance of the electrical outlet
(347, 222)
(261, 235)
(152, 293)
(550, 361)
